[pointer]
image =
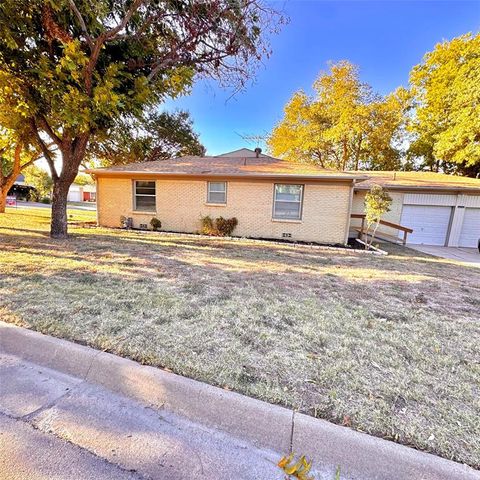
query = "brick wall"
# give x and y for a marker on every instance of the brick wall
(181, 203)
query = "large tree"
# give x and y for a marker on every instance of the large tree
(154, 136)
(446, 88)
(344, 125)
(81, 65)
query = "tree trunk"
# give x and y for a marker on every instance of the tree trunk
(7, 181)
(58, 227)
(5, 187)
(3, 200)
(345, 155)
(72, 156)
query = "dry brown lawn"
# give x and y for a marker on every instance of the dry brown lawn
(386, 345)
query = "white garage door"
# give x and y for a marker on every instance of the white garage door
(429, 223)
(74, 196)
(470, 233)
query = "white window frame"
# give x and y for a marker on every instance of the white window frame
(135, 195)
(210, 202)
(300, 210)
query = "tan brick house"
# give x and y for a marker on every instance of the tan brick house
(270, 198)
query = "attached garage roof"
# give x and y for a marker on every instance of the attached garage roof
(418, 181)
(231, 166)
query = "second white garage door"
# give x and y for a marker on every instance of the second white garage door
(470, 233)
(429, 223)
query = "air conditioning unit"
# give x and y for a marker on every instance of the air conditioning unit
(286, 235)
(143, 226)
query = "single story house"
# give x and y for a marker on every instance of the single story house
(81, 193)
(275, 199)
(441, 209)
(270, 198)
(20, 190)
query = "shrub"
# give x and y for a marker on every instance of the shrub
(45, 200)
(156, 224)
(220, 227)
(208, 227)
(225, 226)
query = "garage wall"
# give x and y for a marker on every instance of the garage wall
(394, 215)
(430, 199)
(463, 225)
(181, 203)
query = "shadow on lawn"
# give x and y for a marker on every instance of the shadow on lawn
(358, 280)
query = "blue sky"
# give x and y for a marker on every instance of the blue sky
(385, 38)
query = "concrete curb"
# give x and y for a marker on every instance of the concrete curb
(359, 456)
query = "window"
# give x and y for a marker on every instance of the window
(287, 202)
(217, 192)
(144, 196)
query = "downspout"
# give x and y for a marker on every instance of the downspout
(349, 215)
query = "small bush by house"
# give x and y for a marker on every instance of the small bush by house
(156, 224)
(220, 227)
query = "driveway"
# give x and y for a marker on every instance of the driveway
(470, 256)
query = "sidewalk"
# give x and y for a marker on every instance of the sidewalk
(56, 426)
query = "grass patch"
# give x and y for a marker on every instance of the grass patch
(387, 345)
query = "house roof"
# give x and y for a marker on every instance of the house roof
(242, 152)
(230, 166)
(418, 181)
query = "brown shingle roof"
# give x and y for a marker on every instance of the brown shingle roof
(264, 166)
(418, 181)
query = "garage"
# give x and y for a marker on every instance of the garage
(470, 232)
(75, 193)
(430, 223)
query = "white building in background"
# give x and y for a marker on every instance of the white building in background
(81, 193)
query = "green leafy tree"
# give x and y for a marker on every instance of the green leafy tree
(345, 125)
(78, 66)
(39, 179)
(446, 89)
(16, 154)
(154, 136)
(84, 179)
(377, 204)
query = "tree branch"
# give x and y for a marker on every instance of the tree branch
(110, 35)
(81, 21)
(49, 130)
(46, 152)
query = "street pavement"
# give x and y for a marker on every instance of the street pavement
(54, 426)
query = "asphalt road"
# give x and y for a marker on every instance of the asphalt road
(71, 205)
(57, 427)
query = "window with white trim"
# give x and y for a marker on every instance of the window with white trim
(144, 196)
(287, 202)
(217, 192)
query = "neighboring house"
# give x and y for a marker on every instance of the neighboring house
(20, 189)
(271, 198)
(81, 193)
(441, 209)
